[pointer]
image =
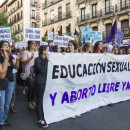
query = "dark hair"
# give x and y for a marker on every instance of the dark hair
(2, 42)
(96, 46)
(41, 49)
(54, 48)
(74, 43)
(85, 47)
(29, 43)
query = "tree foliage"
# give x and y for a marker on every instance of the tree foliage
(3, 20)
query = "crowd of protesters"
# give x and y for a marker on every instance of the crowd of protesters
(29, 67)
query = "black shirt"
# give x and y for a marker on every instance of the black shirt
(9, 74)
(41, 66)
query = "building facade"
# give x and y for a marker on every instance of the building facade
(58, 17)
(22, 14)
(4, 7)
(101, 14)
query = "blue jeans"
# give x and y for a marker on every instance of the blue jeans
(5, 99)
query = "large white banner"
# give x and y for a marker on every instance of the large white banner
(32, 34)
(77, 83)
(5, 34)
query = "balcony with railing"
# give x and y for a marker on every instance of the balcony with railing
(57, 18)
(33, 4)
(48, 4)
(122, 6)
(93, 16)
(15, 20)
(14, 10)
(35, 18)
(82, 19)
(108, 11)
(126, 32)
(18, 31)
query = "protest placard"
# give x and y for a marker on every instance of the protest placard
(58, 41)
(85, 34)
(95, 35)
(43, 43)
(90, 35)
(21, 44)
(119, 37)
(32, 34)
(5, 34)
(50, 36)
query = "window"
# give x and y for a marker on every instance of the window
(19, 27)
(123, 4)
(125, 27)
(21, 2)
(108, 29)
(45, 16)
(21, 14)
(21, 37)
(60, 31)
(68, 10)
(10, 20)
(107, 6)
(18, 4)
(18, 16)
(60, 13)
(82, 14)
(95, 28)
(33, 13)
(33, 2)
(68, 29)
(33, 25)
(52, 15)
(15, 18)
(94, 10)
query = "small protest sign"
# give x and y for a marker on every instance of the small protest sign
(50, 36)
(119, 37)
(5, 34)
(32, 34)
(21, 44)
(43, 43)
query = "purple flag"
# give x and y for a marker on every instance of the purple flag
(76, 33)
(49, 46)
(84, 40)
(112, 33)
(128, 46)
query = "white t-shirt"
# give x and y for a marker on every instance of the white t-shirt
(26, 55)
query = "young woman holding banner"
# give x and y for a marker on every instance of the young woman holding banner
(41, 65)
(28, 60)
(98, 47)
(72, 46)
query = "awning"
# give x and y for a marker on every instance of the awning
(51, 29)
(67, 24)
(59, 28)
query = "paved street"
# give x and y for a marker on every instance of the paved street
(106, 118)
